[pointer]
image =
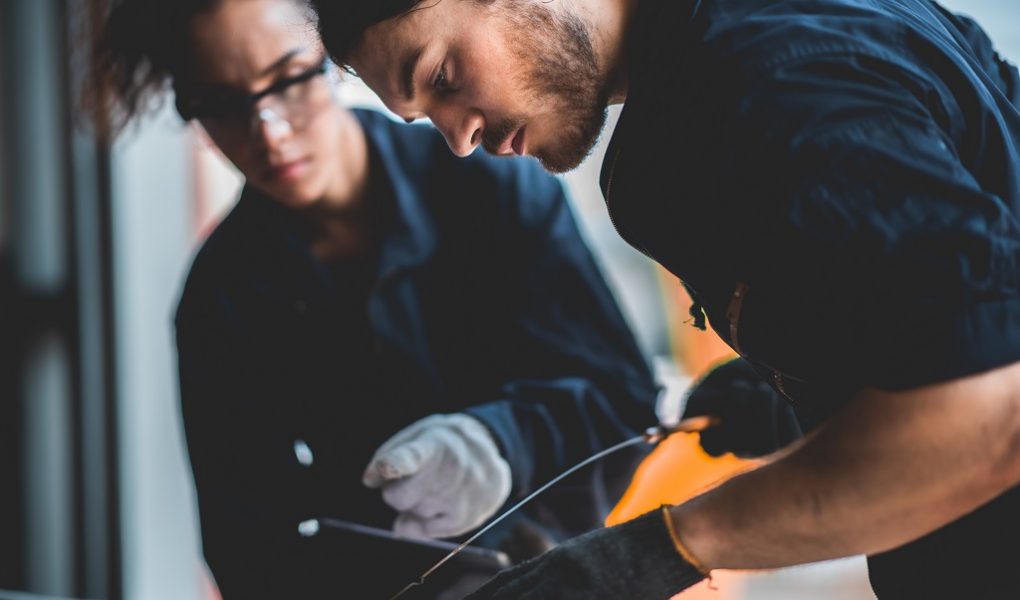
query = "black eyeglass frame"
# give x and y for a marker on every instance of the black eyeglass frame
(193, 109)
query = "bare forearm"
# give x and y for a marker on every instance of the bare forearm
(887, 470)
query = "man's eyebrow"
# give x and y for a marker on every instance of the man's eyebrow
(280, 62)
(407, 74)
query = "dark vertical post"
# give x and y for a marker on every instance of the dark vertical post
(12, 531)
(88, 163)
(60, 521)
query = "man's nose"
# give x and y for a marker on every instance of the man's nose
(463, 130)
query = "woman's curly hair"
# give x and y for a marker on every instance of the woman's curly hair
(135, 49)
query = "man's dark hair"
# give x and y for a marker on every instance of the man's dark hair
(342, 23)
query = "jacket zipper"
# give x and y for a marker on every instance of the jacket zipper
(781, 386)
(733, 311)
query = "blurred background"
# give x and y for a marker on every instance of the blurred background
(95, 239)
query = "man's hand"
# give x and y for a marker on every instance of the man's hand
(443, 474)
(637, 559)
(754, 419)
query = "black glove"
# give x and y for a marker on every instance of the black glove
(754, 419)
(636, 559)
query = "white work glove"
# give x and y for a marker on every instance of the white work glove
(443, 474)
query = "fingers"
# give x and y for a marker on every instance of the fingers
(713, 403)
(431, 513)
(400, 461)
(375, 473)
(704, 402)
(411, 431)
(410, 525)
(715, 442)
(437, 515)
(442, 525)
(445, 477)
(406, 494)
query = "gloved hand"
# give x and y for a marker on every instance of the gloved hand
(754, 419)
(443, 474)
(636, 559)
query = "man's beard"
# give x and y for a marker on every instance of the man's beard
(561, 74)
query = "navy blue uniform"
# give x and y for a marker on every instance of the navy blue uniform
(837, 183)
(481, 298)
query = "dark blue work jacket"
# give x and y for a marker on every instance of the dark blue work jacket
(482, 298)
(837, 182)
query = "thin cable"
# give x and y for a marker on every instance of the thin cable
(594, 457)
(652, 435)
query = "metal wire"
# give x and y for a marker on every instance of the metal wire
(421, 580)
(653, 435)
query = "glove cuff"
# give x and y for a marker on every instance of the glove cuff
(655, 558)
(679, 545)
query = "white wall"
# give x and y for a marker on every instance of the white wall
(1000, 18)
(152, 190)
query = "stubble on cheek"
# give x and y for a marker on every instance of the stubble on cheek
(560, 76)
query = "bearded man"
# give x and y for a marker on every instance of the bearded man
(837, 183)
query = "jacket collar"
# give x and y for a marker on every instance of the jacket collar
(659, 30)
(410, 237)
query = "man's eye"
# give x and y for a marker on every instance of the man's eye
(441, 83)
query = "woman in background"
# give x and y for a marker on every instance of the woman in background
(373, 314)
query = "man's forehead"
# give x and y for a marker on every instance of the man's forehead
(374, 55)
(426, 20)
(386, 49)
